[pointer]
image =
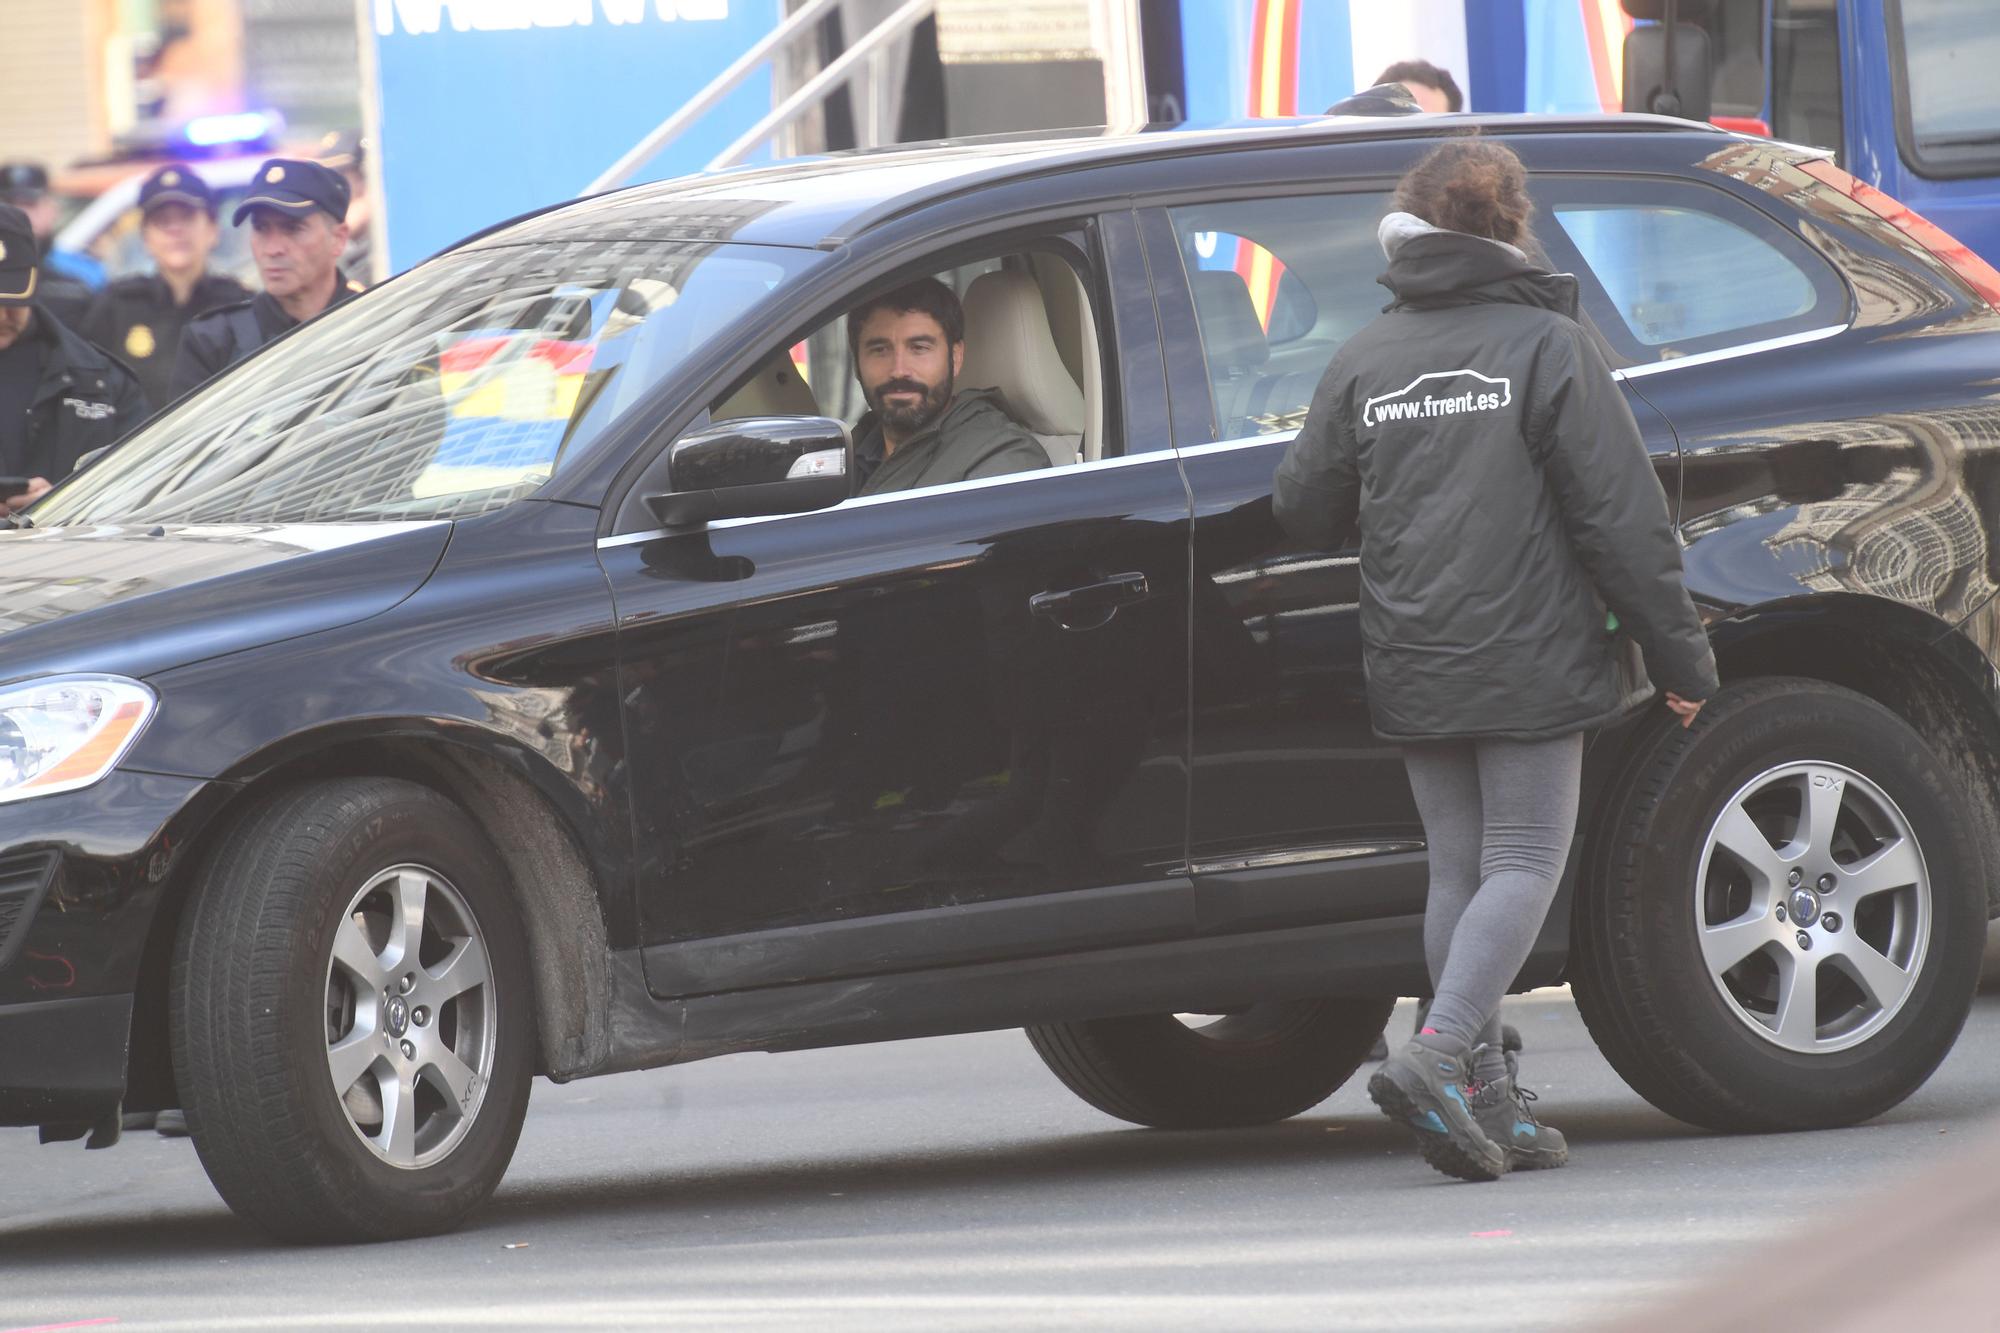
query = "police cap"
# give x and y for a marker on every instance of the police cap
(295, 187)
(175, 184)
(23, 181)
(20, 260)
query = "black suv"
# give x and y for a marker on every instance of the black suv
(497, 676)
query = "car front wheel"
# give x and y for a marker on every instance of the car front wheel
(353, 1035)
(1783, 927)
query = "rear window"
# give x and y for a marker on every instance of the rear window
(1670, 269)
(1950, 49)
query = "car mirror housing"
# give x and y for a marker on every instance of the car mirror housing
(755, 466)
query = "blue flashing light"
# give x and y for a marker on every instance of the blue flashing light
(242, 127)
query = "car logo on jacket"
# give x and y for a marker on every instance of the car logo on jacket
(1407, 404)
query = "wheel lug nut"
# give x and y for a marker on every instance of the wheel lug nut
(409, 1050)
(1781, 911)
(1805, 942)
(407, 984)
(420, 1016)
(1795, 878)
(1831, 921)
(1827, 883)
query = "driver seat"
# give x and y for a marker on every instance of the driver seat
(1009, 347)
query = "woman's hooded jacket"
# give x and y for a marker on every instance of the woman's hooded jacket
(1504, 499)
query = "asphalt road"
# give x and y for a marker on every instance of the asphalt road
(953, 1183)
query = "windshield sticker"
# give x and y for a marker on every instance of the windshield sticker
(1403, 406)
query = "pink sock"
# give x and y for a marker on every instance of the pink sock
(1428, 1032)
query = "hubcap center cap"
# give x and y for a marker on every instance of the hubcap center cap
(1804, 905)
(397, 1016)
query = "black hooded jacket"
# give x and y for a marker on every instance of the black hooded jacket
(1504, 500)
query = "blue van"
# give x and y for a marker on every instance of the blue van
(1906, 93)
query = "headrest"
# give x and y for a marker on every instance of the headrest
(1229, 324)
(1008, 347)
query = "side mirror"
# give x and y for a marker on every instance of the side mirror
(752, 466)
(1667, 71)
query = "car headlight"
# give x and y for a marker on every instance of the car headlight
(67, 732)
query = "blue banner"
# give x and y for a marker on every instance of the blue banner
(491, 108)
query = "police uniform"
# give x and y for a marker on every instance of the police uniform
(61, 294)
(136, 318)
(219, 339)
(60, 397)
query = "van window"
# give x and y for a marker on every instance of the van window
(1950, 50)
(1805, 73)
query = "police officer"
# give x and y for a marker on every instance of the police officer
(140, 318)
(63, 294)
(298, 224)
(60, 397)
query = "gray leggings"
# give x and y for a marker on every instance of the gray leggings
(1498, 816)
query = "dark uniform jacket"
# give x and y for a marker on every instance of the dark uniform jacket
(215, 341)
(974, 438)
(1504, 500)
(65, 295)
(136, 320)
(84, 401)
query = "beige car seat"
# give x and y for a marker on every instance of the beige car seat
(776, 390)
(1008, 347)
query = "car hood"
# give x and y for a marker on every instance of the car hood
(133, 601)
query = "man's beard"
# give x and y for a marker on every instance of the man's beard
(907, 421)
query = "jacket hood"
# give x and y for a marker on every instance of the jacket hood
(1431, 268)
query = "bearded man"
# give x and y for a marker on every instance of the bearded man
(921, 429)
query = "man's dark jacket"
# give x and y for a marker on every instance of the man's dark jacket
(974, 438)
(137, 320)
(85, 400)
(1504, 500)
(214, 342)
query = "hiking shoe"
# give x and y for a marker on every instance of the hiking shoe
(1422, 1086)
(1503, 1112)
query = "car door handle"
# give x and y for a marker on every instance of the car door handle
(1092, 604)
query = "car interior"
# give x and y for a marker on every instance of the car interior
(1029, 333)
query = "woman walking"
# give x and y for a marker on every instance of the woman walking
(1505, 502)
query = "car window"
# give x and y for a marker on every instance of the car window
(1728, 279)
(456, 389)
(1671, 269)
(1030, 340)
(1950, 50)
(1278, 285)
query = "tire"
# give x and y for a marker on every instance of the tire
(268, 999)
(1685, 957)
(1262, 1064)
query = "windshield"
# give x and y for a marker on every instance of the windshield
(456, 389)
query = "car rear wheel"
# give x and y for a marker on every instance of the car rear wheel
(1784, 923)
(1209, 1071)
(353, 1036)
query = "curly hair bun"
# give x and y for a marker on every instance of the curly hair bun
(1470, 185)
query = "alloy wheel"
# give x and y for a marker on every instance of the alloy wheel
(1813, 907)
(412, 1016)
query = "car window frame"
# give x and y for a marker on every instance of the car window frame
(1078, 237)
(1832, 310)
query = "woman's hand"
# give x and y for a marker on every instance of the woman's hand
(1684, 709)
